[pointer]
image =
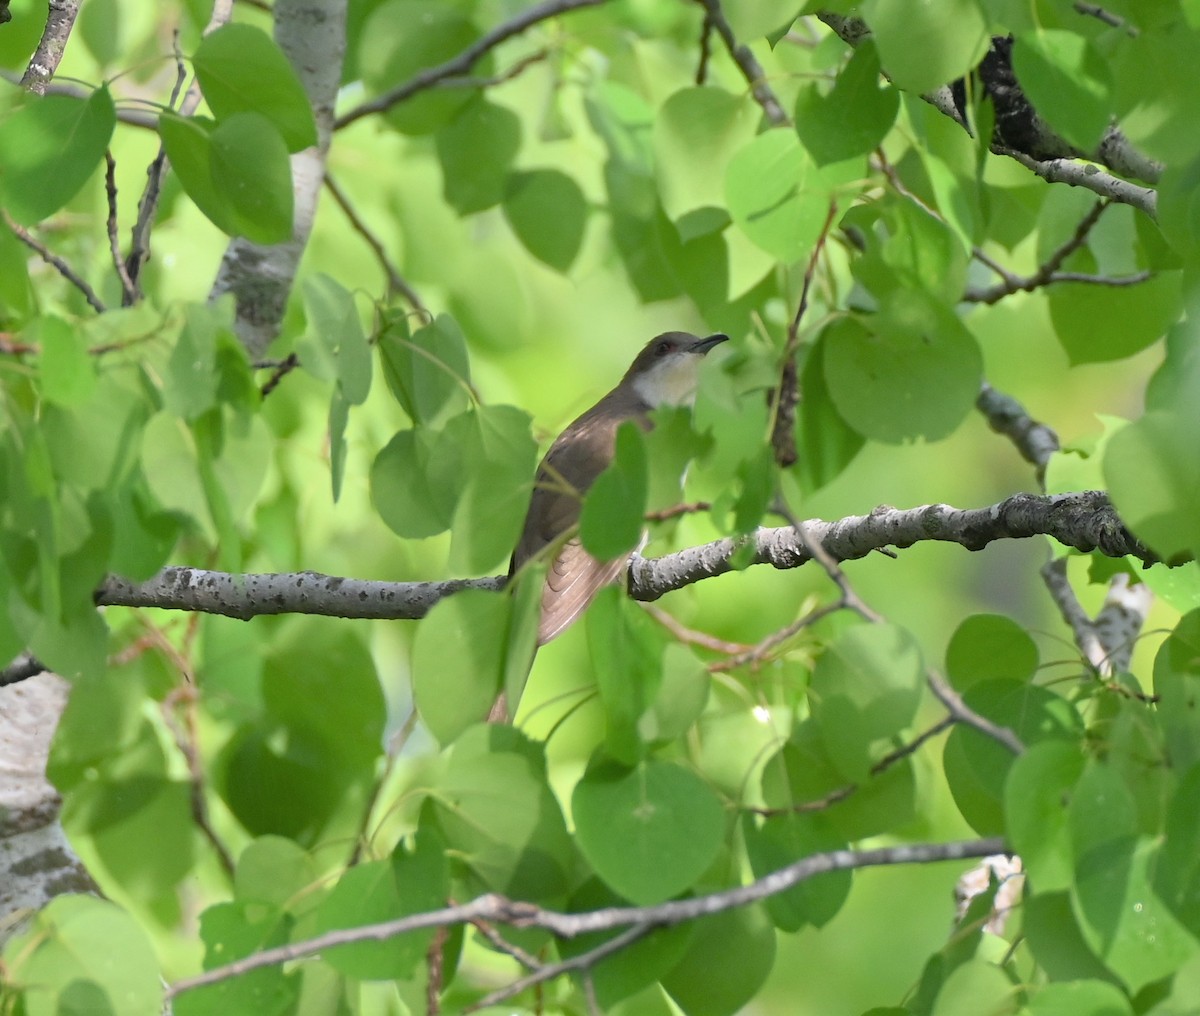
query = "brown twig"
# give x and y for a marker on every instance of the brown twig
(690, 636)
(129, 293)
(787, 395)
(760, 652)
(464, 61)
(515, 71)
(55, 262)
(288, 364)
(747, 63)
(963, 713)
(676, 510)
(396, 282)
(706, 30)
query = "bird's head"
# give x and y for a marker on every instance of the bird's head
(666, 372)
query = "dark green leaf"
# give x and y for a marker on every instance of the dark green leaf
(48, 150)
(476, 150)
(415, 483)
(727, 962)
(427, 371)
(783, 839)
(1067, 80)
(986, 646)
(241, 69)
(854, 117)
(548, 212)
(188, 144)
(649, 831)
(250, 167)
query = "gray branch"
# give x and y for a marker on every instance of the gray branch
(501, 910)
(1085, 521)
(313, 35)
(45, 60)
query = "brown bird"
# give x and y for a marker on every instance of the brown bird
(664, 373)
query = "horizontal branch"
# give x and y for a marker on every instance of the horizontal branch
(501, 910)
(1084, 521)
(462, 63)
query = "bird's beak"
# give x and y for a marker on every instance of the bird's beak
(702, 346)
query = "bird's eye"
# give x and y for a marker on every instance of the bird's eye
(662, 348)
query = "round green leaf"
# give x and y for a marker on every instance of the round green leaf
(476, 150)
(80, 948)
(250, 166)
(404, 37)
(954, 37)
(548, 212)
(1079, 998)
(771, 198)
(612, 518)
(650, 831)
(865, 688)
(986, 646)
(696, 133)
(854, 117)
(728, 960)
(415, 483)
(458, 661)
(1037, 795)
(1096, 324)
(188, 144)
(241, 69)
(915, 374)
(48, 149)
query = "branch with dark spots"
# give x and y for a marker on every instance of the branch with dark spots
(1084, 521)
(44, 62)
(1005, 415)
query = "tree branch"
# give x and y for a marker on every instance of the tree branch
(462, 64)
(1085, 521)
(54, 261)
(501, 910)
(1005, 415)
(1082, 174)
(751, 69)
(45, 60)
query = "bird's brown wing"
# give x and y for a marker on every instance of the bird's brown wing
(572, 581)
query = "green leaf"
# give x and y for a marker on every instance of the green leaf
(986, 646)
(497, 812)
(628, 970)
(274, 871)
(548, 212)
(1096, 324)
(977, 766)
(1055, 940)
(402, 38)
(1122, 918)
(1037, 796)
(914, 374)
(1153, 475)
(976, 986)
(854, 117)
(79, 945)
(188, 144)
(696, 134)
(626, 654)
(410, 882)
(242, 70)
(1080, 998)
(458, 661)
(477, 149)
(865, 689)
(827, 445)
(649, 831)
(727, 962)
(335, 338)
(499, 455)
(1177, 873)
(48, 150)
(416, 482)
(613, 510)
(954, 37)
(427, 371)
(250, 167)
(1177, 685)
(775, 195)
(1068, 82)
(67, 372)
(781, 840)
(191, 382)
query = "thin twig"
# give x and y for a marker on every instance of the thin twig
(464, 61)
(706, 30)
(747, 63)
(55, 262)
(396, 282)
(583, 962)
(963, 713)
(285, 367)
(1100, 14)
(499, 909)
(1086, 175)
(128, 290)
(786, 395)
(515, 71)
(676, 510)
(690, 636)
(757, 654)
(501, 944)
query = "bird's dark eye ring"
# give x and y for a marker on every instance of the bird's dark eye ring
(662, 348)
